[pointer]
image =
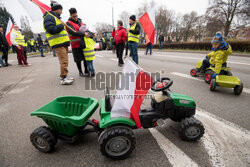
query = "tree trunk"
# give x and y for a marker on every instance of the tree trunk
(227, 27)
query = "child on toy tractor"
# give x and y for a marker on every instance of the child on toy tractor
(218, 57)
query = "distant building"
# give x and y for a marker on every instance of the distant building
(240, 33)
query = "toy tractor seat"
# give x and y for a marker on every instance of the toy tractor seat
(108, 105)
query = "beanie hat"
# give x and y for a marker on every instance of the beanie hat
(55, 5)
(132, 17)
(217, 39)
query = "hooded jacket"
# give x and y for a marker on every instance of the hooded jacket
(51, 27)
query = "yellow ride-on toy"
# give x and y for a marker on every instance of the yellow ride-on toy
(209, 71)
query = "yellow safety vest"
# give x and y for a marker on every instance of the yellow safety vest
(25, 44)
(133, 37)
(89, 51)
(58, 38)
(20, 39)
(32, 42)
(103, 39)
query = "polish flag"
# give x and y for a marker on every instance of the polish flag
(8, 31)
(148, 23)
(34, 8)
(133, 86)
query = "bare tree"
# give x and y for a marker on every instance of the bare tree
(188, 23)
(163, 21)
(226, 10)
(26, 28)
(124, 17)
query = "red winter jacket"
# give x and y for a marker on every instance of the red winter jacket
(120, 35)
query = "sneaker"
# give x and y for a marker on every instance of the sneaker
(70, 78)
(66, 81)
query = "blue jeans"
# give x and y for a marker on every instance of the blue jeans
(54, 53)
(160, 44)
(149, 46)
(1, 62)
(90, 66)
(41, 51)
(133, 46)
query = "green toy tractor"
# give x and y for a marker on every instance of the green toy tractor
(67, 119)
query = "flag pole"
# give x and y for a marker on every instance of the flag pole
(53, 16)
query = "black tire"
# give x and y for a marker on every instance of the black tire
(212, 85)
(121, 138)
(43, 139)
(191, 129)
(229, 73)
(193, 72)
(208, 76)
(238, 89)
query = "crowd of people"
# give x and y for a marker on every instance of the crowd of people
(60, 35)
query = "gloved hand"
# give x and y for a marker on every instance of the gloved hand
(214, 75)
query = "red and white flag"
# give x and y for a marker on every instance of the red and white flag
(8, 30)
(133, 86)
(148, 23)
(35, 12)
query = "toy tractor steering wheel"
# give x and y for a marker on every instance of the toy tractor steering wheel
(162, 84)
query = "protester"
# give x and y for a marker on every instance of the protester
(161, 41)
(58, 39)
(75, 39)
(89, 49)
(32, 45)
(40, 43)
(149, 45)
(133, 38)
(4, 46)
(120, 37)
(17, 40)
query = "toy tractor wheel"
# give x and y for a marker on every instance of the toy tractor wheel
(117, 142)
(191, 129)
(208, 76)
(238, 89)
(43, 139)
(212, 85)
(193, 72)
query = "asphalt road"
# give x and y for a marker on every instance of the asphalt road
(225, 116)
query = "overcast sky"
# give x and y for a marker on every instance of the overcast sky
(93, 11)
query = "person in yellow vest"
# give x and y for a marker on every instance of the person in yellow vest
(133, 38)
(17, 40)
(89, 50)
(58, 39)
(32, 44)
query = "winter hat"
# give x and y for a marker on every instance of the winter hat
(217, 39)
(132, 17)
(55, 5)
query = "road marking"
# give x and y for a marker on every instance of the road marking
(245, 90)
(99, 55)
(226, 143)
(185, 76)
(195, 58)
(113, 59)
(175, 156)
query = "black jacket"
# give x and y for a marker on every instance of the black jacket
(3, 41)
(137, 29)
(161, 38)
(51, 27)
(40, 41)
(78, 33)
